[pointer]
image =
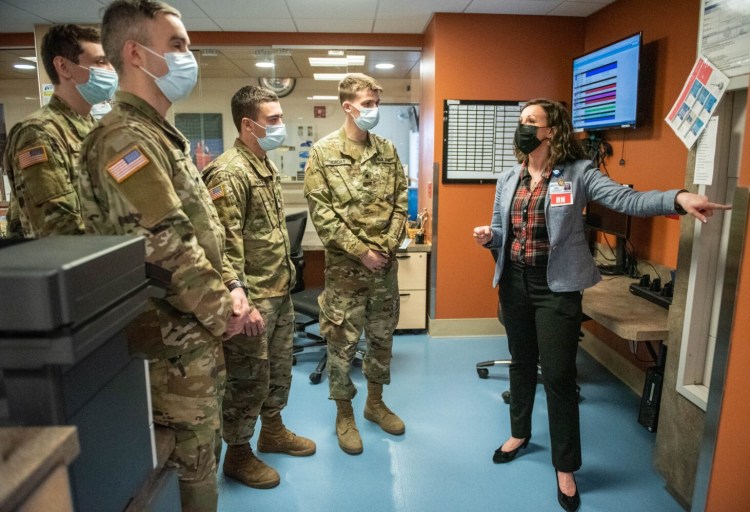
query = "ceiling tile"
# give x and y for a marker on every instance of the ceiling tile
(200, 24)
(335, 25)
(528, 7)
(333, 10)
(389, 9)
(581, 9)
(60, 12)
(256, 24)
(246, 8)
(187, 8)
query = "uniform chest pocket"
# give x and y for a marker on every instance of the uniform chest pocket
(340, 184)
(262, 212)
(382, 175)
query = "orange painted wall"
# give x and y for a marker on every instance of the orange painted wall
(491, 57)
(655, 158)
(728, 489)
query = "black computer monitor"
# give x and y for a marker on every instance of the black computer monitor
(604, 220)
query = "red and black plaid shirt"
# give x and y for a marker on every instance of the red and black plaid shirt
(529, 239)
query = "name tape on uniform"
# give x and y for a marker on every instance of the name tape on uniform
(216, 192)
(32, 156)
(127, 165)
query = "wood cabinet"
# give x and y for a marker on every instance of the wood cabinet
(412, 287)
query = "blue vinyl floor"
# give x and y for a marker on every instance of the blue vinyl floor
(454, 422)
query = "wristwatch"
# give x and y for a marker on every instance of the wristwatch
(236, 283)
(679, 209)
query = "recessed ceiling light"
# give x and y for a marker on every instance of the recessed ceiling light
(329, 76)
(384, 65)
(264, 64)
(336, 53)
(323, 98)
(349, 60)
(24, 66)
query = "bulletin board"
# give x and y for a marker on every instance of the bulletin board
(478, 139)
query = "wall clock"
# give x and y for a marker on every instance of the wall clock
(281, 86)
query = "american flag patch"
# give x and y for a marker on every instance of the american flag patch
(127, 165)
(216, 192)
(32, 156)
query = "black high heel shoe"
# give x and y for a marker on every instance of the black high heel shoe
(569, 503)
(501, 457)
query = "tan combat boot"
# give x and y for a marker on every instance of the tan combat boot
(241, 464)
(276, 438)
(377, 411)
(346, 428)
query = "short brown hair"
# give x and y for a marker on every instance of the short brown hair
(123, 21)
(563, 146)
(355, 82)
(65, 41)
(246, 101)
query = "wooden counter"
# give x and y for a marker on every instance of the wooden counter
(611, 304)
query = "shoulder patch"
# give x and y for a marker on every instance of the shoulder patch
(217, 192)
(125, 166)
(32, 156)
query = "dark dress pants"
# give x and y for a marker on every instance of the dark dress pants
(543, 326)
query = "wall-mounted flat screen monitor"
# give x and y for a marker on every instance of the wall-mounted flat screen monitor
(605, 86)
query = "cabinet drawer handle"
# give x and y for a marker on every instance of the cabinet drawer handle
(403, 256)
(404, 294)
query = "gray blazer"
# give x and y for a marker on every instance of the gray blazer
(571, 266)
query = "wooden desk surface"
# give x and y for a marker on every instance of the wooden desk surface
(611, 304)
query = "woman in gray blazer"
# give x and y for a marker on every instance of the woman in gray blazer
(543, 266)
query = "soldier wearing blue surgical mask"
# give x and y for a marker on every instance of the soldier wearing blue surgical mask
(138, 178)
(245, 187)
(356, 191)
(42, 151)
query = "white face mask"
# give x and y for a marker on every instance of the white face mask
(368, 118)
(101, 109)
(99, 87)
(182, 76)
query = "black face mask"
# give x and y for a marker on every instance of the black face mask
(525, 138)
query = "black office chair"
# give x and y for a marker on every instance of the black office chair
(305, 300)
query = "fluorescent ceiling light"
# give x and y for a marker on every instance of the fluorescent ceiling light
(264, 64)
(349, 60)
(336, 53)
(384, 65)
(329, 76)
(323, 98)
(24, 66)
(32, 59)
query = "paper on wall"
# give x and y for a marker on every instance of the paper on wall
(705, 154)
(697, 102)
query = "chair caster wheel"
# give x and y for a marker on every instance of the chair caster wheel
(315, 378)
(506, 397)
(483, 373)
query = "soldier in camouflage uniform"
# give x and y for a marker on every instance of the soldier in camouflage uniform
(41, 155)
(246, 189)
(356, 190)
(137, 178)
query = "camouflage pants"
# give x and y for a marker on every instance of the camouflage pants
(185, 394)
(356, 299)
(259, 371)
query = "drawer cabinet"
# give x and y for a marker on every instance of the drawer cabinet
(412, 286)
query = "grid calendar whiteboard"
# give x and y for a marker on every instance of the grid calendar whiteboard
(478, 139)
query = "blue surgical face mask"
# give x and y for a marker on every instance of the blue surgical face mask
(275, 136)
(368, 118)
(101, 109)
(100, 86)
(182, 76)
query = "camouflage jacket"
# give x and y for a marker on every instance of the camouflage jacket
(356, 205)
(137, 178)
(247, 194)
(41, 159)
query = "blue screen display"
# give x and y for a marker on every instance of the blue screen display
(605, 86)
